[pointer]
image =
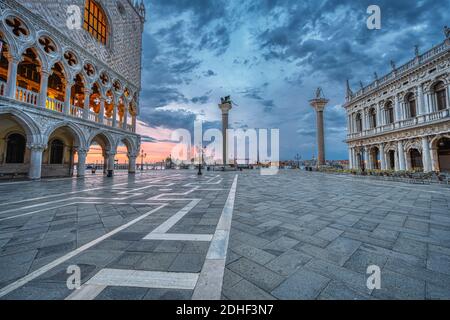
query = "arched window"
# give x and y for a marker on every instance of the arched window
(441, 98)
(373, 118)
(411, 103)
(389, 108)
(358, 122)
(15, 148)
(95, 21)
(56, 152)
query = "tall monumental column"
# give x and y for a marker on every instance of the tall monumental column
(225, 106)
(319, 103)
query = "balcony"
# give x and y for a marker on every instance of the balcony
(32, 98)
(402, 124)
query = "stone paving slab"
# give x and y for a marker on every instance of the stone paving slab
(342, 225)
(296, 235)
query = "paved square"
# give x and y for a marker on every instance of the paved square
(174, 235)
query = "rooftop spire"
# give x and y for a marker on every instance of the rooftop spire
(142, 9)
(349, 93)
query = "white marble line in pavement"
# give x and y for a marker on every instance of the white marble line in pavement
(75, 192)
(209, 285)
(205, 182)
(133, 278)
(128, 192)
(33, 275)
(77, 203)
(158, 197)
(169, 223)
(179, 237)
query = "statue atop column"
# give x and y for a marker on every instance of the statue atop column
(225, 106)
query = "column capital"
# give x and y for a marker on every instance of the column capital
(38, 147)
(82, 151)
(13, 59)
(87, 90)
(45, 73)
(69, 82)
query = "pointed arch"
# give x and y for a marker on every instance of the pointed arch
(78, 135)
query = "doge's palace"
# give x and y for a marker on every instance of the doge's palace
(401, 121)
(70, 73)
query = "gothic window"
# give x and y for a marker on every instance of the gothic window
(389, 112)
(95, 21)
(411, 102)
(373, 118)
(28, 71)
(17, 27)
(56, 152)
(15, 148)
(441, 98)
(70, 58)
(47, 45)
(358, 122)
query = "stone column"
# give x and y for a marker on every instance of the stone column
(420, 100)
(225, 107)
(379, 116)
(35, 170)
(110, 162)
(408, 164)
(434, 159)
(382, 157)
(68, 93)
(101, 113)
(134, 123)
(87, 101)
(350, 158)
(401, 156)
(81, 167)
(352, 123)
(125, 117)
(319, 103)
(114, 116)
(44, 86)
(349, 121)
(367, 158)
(397, 108)
(355, 159)
(132, 163)
(426, 156)
(448, 96)
(12, 76)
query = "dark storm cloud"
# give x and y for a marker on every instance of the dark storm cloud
(216, 41)
(154, 97)
(200, 100)
(209, 73)
(288, 45)
(341, 53)
(170, 119)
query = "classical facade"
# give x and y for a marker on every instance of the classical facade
(70, 74)
(402, 120)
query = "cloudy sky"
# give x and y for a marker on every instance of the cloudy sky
(270, 56)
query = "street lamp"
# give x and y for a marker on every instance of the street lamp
(143, 155)
(298, 158)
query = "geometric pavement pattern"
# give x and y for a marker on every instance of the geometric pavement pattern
(166, 235)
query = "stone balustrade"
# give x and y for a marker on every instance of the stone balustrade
(32, 98)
